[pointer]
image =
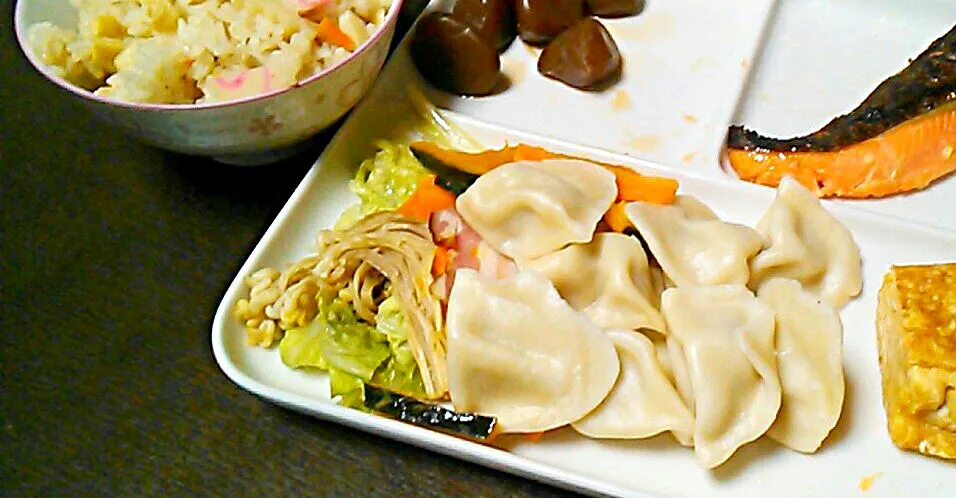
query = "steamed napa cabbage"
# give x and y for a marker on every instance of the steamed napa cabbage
(400, 372)
(383, 182)
(354, 352)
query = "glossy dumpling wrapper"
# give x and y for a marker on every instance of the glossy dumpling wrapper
(676, 367)
(724, 337)
(517, 351)
(809, 344)
(607, 279)
(643, 403)
(692, 247)
(694, 209)
(806, 243)
(527, 209)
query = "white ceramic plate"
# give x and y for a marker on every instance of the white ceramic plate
(857, 449)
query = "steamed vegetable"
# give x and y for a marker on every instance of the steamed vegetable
(475, 163)
(400, 371)
(354, 352)
(329, 31)
(449, 178)
(428, 415)
(384, 182)
(427, 199)
(616, 218)
(632, 186)
(382, 254)
(336, 339)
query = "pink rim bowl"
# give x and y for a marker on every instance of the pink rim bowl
(254, 130)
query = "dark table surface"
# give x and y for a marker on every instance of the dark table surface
(114, 258)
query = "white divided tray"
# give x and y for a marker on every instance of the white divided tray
(858, 448)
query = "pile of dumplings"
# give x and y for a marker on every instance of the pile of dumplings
(721, 334)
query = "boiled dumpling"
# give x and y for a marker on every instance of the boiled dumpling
(809, 343)
(607, 279)
(694, 209)
(517, 351)
(527, 209)
(725, 337)
(692, 247)
(660, 282)
(643, 403)
(806, 243)
(677, 366)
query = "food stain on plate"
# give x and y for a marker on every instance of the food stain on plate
(645, 143)
(867, 482)
(688, 157)
(620, 101)
(652, 26)
(690, 118)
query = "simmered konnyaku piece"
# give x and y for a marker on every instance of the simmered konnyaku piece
(453, 57)
(926, 84)
(615, 8)
(493, 20)
(539, 21)
(582, 56)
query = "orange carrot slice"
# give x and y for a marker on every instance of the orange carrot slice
(329, 31)
(633, 186)
(427, 199)
(441, 261)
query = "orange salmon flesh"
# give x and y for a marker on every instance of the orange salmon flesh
(907, 157)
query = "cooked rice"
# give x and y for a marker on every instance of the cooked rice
(195, 51)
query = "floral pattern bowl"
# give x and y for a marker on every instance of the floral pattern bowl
(254, 130)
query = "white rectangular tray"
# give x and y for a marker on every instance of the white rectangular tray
(858, 448)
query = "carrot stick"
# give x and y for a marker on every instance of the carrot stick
(329, 31)
(441, 261)
(633, 186)
(616, 217)
(427, 199)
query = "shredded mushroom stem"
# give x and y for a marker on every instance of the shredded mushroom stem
(401, 250)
